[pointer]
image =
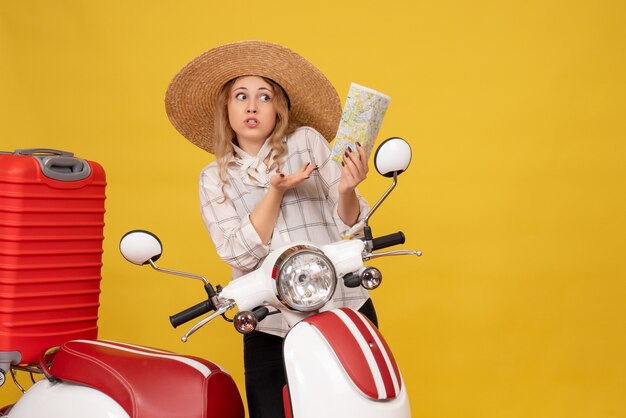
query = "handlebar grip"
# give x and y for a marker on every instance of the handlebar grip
(388, 240)
(191, 313)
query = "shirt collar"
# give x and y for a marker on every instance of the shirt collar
(253, 168)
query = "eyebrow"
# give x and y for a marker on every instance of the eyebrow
(245, 88)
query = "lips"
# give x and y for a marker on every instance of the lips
(251, 122)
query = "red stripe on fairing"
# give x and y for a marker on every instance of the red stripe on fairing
(347, 350)
(377, 352)
(287, 402)
(392, 360)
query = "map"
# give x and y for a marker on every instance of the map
(360, 121)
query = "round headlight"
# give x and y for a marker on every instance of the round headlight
(305, 278)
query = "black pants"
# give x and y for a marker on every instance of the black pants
(265, 370)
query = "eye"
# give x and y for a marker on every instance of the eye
(240, 96)
(265, 98)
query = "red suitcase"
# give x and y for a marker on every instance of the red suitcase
(51, 234)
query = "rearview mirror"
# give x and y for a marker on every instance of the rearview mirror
(393, 155)
(141, 247)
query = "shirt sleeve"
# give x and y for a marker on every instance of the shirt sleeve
(330, 171)
(235, 239)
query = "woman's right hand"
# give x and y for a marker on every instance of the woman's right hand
(282, 182)
(263, 217)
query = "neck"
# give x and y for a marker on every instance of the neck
(252, 147)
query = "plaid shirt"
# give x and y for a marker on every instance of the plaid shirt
(307, 212)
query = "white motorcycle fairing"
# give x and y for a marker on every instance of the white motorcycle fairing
(339, 365)
(64, 400)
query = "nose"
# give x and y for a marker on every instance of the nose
(251, 107)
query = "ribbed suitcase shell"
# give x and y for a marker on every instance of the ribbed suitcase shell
(51, 235)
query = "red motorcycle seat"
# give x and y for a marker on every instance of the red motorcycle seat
(361, 350)
(150, 383)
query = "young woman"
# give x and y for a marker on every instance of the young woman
(265, 112)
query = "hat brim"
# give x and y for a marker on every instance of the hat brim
(191, 95)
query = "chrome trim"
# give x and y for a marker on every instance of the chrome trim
(177, 273)
(370, 256)
(382, 199)
(228, 305)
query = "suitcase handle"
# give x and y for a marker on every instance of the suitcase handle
(57, 164)
(33, 152)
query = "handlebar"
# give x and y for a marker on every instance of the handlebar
(388, 241)
(191, 313)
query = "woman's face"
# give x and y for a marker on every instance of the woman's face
(251, 112)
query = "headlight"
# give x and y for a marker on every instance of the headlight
(305, 278)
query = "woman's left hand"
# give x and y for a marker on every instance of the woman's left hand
(354, 170)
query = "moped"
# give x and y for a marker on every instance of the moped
(337, 363)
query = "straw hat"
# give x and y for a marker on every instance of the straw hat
(190, 98)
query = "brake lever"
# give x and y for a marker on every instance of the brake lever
(370, 256)
(222, 309)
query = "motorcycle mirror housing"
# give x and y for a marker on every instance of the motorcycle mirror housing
(393, 155)
(140, 247)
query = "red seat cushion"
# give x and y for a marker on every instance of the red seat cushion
(150, 383)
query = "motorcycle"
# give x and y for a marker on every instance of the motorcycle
(337, 362)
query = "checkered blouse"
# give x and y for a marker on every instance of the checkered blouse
(307, 213)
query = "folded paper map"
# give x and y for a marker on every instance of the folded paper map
(360, 121)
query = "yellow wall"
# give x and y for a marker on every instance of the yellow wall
(515, 112)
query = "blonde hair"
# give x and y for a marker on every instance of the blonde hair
(224, 136)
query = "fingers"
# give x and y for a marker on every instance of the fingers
(289, 181)
(356, 166)
(307, 169)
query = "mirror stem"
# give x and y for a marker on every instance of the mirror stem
(381, 200)
(177, 273)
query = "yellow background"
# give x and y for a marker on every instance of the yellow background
(515, 113)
